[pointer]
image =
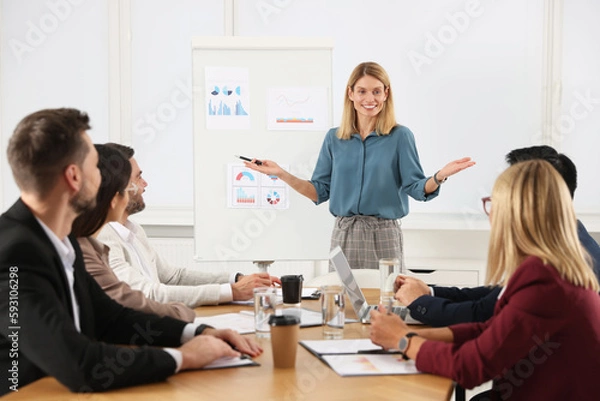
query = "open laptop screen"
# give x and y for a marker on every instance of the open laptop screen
(357, 298)
(340, 263)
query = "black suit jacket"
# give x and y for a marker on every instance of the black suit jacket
(452, 305)
(36, 318)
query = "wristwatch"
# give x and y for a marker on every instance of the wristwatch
(201, 328)
(404, 343)
(437, 182)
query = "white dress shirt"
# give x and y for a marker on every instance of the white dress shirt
(67, 257)
(136, 262)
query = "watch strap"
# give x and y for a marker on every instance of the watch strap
(201, 328)
(404, 343)
(437, 182)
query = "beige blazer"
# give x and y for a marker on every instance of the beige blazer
(95, 256)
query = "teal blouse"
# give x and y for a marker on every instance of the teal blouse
(373, 177)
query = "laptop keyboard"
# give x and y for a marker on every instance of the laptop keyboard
(396, 310)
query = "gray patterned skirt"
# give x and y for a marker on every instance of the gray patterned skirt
(366, 239)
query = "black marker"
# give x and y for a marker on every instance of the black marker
(257, 162)
(377, 351)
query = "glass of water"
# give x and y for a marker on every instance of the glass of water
(333, 309)
(389, 269)
(265, 301)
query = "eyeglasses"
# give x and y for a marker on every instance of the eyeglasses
(133, 189)
(487, 204)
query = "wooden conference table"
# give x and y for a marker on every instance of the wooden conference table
(310, 380)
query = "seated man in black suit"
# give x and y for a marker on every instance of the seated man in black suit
(444, 306)
(54, 318)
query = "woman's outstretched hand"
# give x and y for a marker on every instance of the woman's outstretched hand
(454, 167)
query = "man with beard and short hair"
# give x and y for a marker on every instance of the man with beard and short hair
(136, 262)
(54, 318)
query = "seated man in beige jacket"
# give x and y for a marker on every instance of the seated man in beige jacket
(134, 260)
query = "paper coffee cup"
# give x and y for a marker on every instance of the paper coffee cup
(284, 340)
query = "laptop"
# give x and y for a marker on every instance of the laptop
(355, 294)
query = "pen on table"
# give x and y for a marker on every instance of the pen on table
(376, 351)
(257, 162)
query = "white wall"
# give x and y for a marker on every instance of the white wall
(53, 54)
(162, 91)
(580, 112)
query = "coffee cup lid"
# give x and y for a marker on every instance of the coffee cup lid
(283, 320)
(292, 278)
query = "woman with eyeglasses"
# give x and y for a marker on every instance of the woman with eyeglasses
(111, 201)
(543, 341)
(367, 169)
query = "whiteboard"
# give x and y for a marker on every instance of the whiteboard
(300, 232)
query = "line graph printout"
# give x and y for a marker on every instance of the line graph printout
(297, 109)
(227, 98)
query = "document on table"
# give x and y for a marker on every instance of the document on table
(307, 293)
(337, 347)
(308, 318)
(370, 364)
(222, 363)
(241, 322)
(359, 357)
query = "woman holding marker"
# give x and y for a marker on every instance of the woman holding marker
(367, 168)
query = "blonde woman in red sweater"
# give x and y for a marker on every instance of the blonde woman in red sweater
(543, 341)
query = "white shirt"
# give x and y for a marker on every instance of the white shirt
(127, 233)
(135, 261)
(67, 257)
